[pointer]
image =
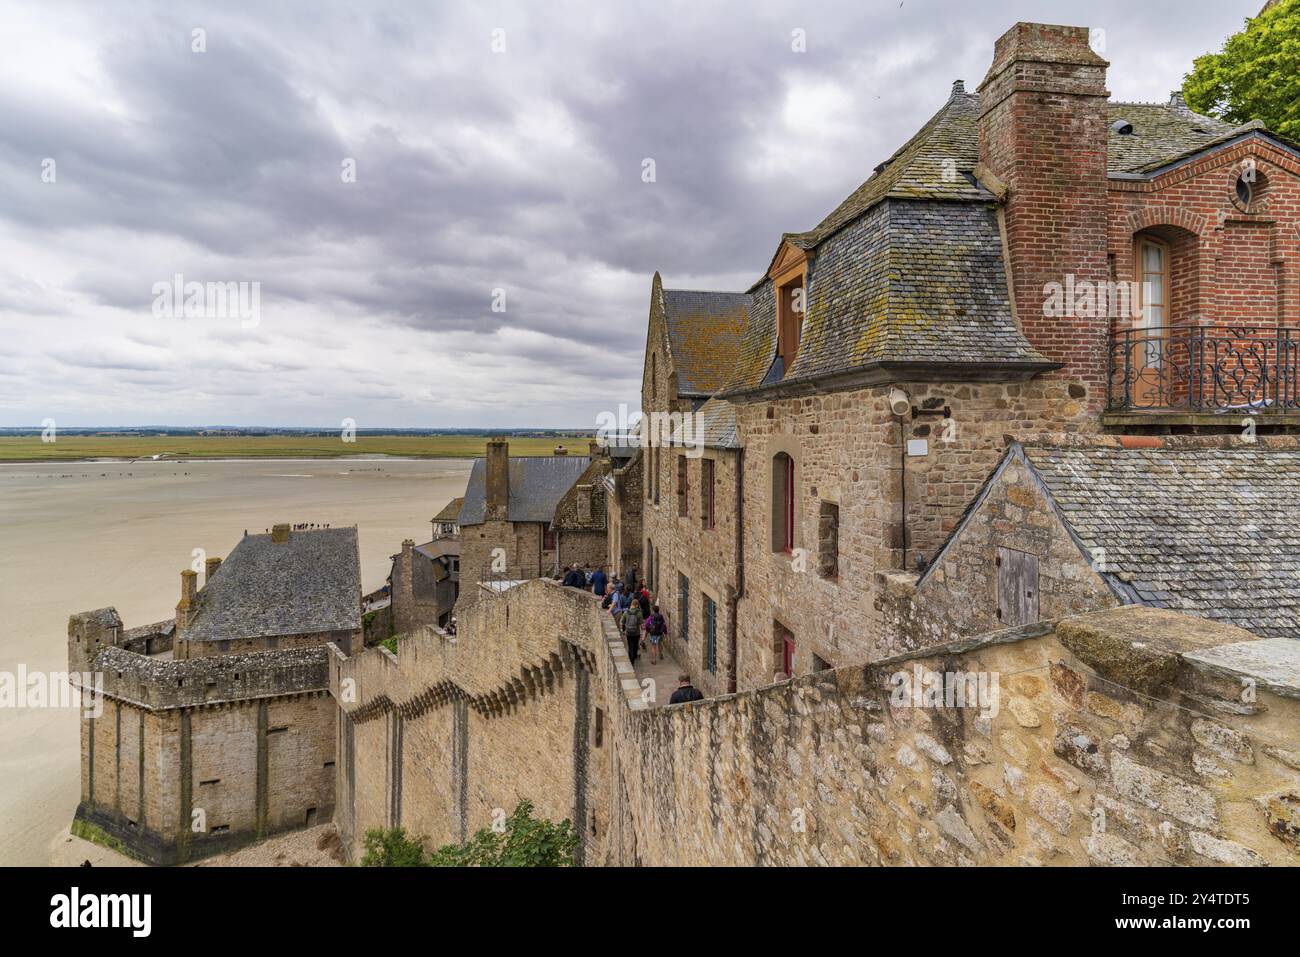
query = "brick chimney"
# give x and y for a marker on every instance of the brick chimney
(189, 591)
(1043, 135)
(498, 480)
(209, 569)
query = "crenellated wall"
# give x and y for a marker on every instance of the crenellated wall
(1130, 736)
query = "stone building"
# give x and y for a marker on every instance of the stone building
(217, 729)
(1036, 259)
(425, 583)
(692, 460)
(623, 498)
(527, 516)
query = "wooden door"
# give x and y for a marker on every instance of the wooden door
(1017, 588)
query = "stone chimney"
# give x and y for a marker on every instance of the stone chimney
(498, 480)
(189, 591)
(209, 569)
(280, 533)
(1043, 136)
(593, 449)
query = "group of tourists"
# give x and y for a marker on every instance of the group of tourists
(636, 614)
(629, 600)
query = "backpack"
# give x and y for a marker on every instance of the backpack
(655, 624)
(631, 623)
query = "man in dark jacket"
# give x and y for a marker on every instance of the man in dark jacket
(598, 582)
(685, 691)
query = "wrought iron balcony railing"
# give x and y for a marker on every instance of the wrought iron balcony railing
(1247, 369)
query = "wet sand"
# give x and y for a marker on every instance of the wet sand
(77, 536)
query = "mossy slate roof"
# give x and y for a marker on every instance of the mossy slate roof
(704, 333)
(1210, 531)
(310, 583)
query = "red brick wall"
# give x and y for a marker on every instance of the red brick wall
(1043, 130)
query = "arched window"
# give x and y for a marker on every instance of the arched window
(783, 485)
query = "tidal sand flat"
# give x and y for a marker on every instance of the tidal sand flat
(82, 535)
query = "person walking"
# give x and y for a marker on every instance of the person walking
(598, 582)
(632, 619)
(656, 626)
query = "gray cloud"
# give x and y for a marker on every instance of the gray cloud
(476, 171)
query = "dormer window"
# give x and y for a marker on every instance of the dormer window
(790, 312)
(789, 276)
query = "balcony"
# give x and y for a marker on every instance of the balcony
(1198, 374)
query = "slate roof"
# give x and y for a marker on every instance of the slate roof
(1210, 531)
(1162, 132)
(537, 483)
(713, 425)
(450, 511)
(439, 548)
(912, 281)
(311, 583)
(704, 332)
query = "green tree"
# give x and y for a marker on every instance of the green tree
(525, 841)
(1257, 74)
(392, 848)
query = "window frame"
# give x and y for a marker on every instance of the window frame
(683, 486)
(684, 607)
(708, 482)
(710, 635)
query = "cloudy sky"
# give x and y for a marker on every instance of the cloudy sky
(498, 151)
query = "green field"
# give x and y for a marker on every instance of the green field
(71, 447)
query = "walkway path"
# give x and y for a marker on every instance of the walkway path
(664, 675)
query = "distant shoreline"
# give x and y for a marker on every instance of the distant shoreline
(179, 449)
